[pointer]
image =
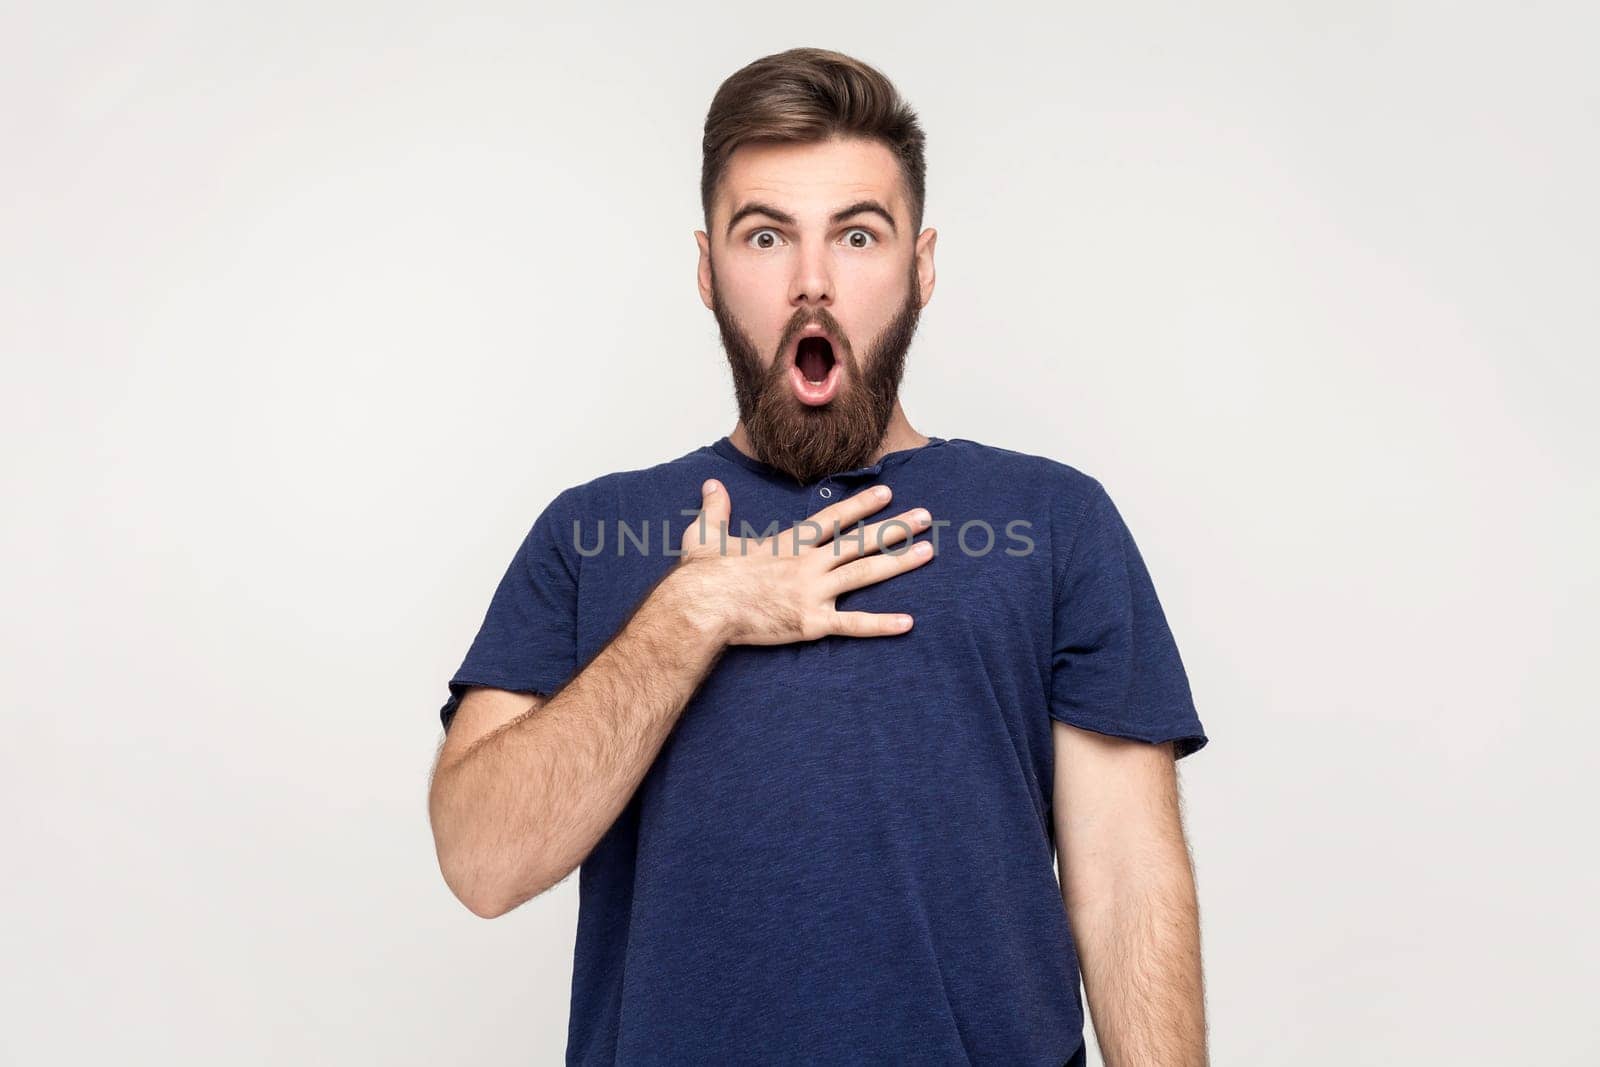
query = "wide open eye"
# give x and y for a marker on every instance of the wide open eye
(763, 246)
(871, 237)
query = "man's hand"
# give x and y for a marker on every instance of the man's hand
(516, 812)
(781, 588)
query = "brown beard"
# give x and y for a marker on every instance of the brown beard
(809, 442)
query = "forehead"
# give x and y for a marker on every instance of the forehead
(811, 180)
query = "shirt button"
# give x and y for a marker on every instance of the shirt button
(826, 492)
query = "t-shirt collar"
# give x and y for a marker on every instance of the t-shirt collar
(725, 448)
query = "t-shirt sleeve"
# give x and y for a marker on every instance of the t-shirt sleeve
(1115, 667)
(528, 639)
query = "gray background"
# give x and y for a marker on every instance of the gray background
(307, 310)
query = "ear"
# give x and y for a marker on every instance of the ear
(924, 261)
(704, 271)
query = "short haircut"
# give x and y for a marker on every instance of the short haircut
(806, 96)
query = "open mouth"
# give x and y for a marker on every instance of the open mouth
(816, 372)
(815, 359)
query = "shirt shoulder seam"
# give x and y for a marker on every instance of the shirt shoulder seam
(1090, 500)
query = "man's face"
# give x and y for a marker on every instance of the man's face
(816, 309)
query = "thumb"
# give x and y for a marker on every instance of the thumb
(716, 505)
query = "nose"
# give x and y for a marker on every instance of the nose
(812, 283)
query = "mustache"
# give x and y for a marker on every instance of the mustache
(822, 317)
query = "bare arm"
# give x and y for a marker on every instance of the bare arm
(526, 787)
(518, 810)
(1128, 885)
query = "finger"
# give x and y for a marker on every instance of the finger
(876, 568)
(869, 624)
(850, 510)
(879, 535)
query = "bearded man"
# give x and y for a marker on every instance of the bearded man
(876, 757)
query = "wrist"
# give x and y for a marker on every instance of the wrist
(691, 599)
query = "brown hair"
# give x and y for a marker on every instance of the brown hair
(804, 96)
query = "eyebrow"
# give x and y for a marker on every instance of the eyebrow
(858, 208)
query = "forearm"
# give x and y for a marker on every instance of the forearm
(1138, 936)
(528, 802)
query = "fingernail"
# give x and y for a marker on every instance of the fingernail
(881, 492)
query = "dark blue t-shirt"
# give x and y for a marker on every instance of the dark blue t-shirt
(844, 852)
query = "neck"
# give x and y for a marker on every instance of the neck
(897, 436)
